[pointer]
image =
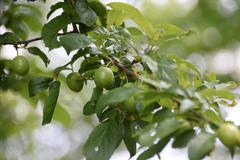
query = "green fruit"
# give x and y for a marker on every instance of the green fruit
(20, 65)
(229, 135)
(74, 82)
(104, 77)
(130, 105)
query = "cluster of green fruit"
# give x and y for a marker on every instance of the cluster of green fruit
(104, 78)
(228, 134)
(20, 65)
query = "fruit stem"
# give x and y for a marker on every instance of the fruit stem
(72, 67)
(16, 47)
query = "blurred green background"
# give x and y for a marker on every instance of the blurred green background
(214, 47)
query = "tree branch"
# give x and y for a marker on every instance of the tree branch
(123, 68)
(26, 42)
(120, 66)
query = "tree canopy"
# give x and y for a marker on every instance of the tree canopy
(140, 95)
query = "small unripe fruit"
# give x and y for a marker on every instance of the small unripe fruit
(104, 77)
(20, 65)
(130, 105)
(229, 135)
(74, 82)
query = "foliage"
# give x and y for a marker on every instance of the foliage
(172, 98)
(211, 36)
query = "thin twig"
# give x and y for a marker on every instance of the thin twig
(133, 47)
(120, 66)
(149, 48)
(26, 42)
(123, 67)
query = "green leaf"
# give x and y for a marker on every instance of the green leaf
(36, 51)
(183, 76)
(163, 114)
(147, 98)
(168, 102)
(179, 61)
(59, 69)
(182, 139)
(57, 6)
(227, 85)
(213, 117)
(50, 102)
(81, 52)
(54, 8)
(109, 113)
(177, 90)
(38, 84)
(89, 64)
(134, 31)
(122, 11)
(169, 29)
(50, 31)
(171, 32)
(162, 129)
(152, 65)
(211, 77)
(8, 37)
(128, 139)
(211, 84)
(155, 83)
(23, 7)
(115, 17)
(114, 96)
(167, 69)
(19, 28)
(100, 9)
(167, 127)
(89, 74)
(84, 14)
(26, 13)
(74, 41)
(90, 106)
(103, 141)
(63, 116)
(35, 25)
(154, 149)
(221, 95)
(201, 145)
